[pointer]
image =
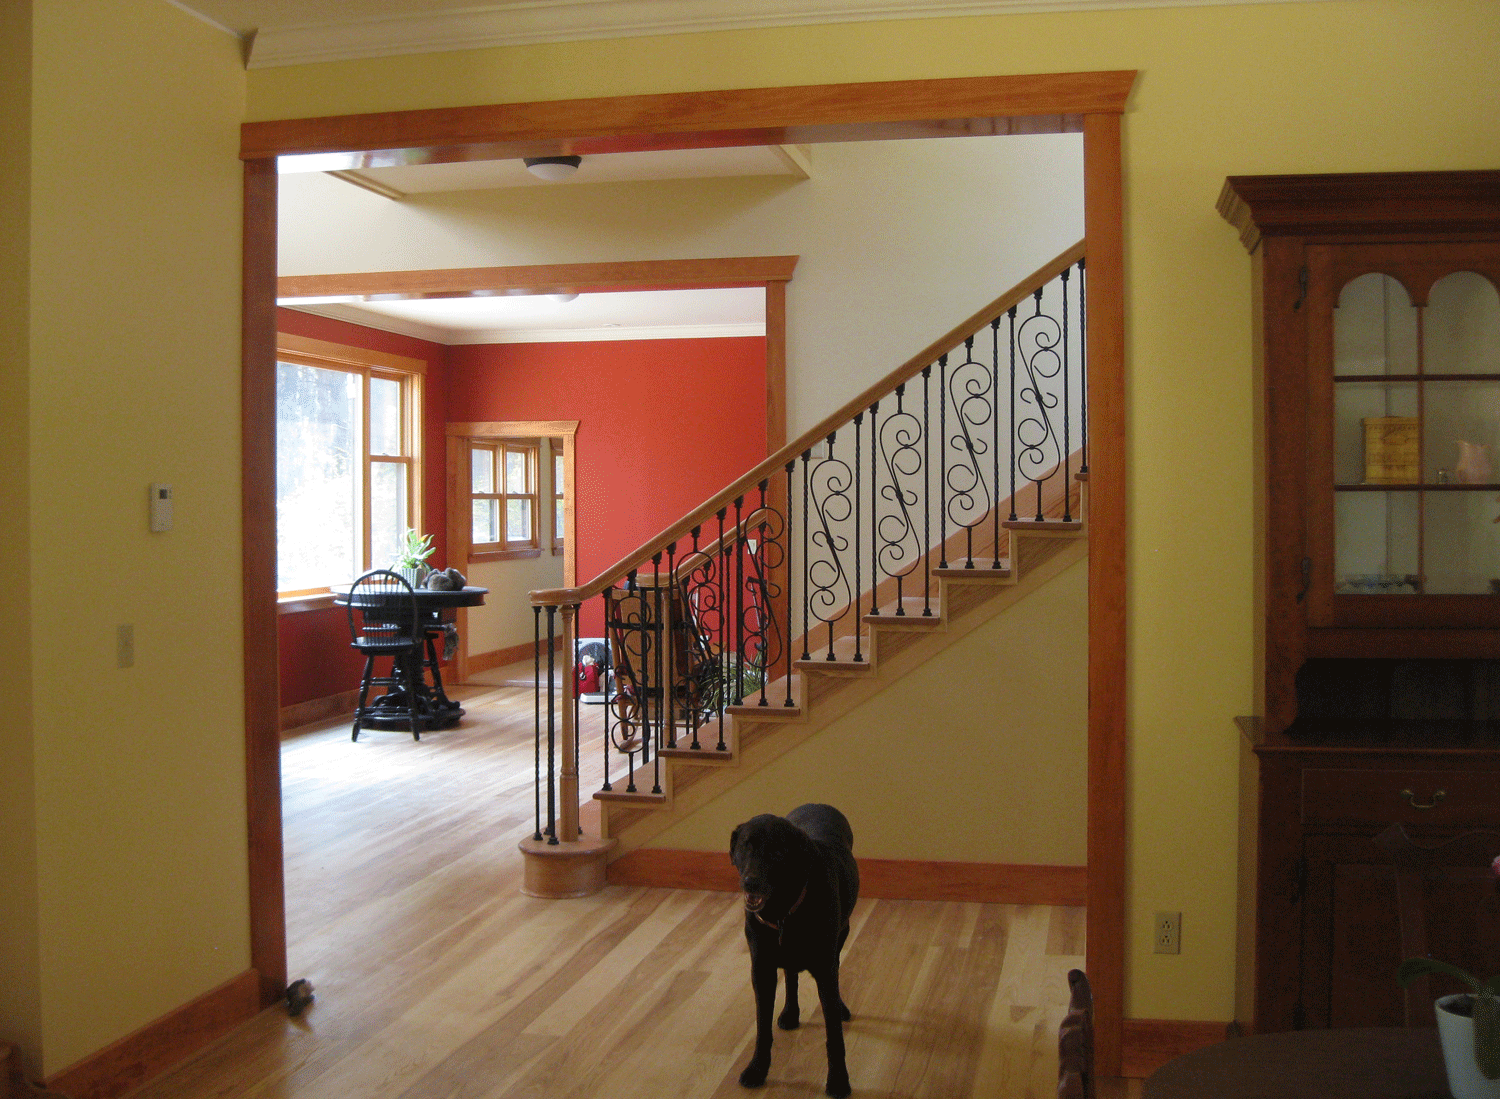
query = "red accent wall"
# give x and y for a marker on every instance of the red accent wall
(315, 657)
(663, 424)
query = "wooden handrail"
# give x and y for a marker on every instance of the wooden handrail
(775, 465)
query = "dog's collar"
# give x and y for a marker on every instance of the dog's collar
(778, 927)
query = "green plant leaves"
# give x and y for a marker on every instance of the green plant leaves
(1413, 968)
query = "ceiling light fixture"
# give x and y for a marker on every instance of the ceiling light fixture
(552, 168)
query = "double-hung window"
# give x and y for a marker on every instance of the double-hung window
(347, 461)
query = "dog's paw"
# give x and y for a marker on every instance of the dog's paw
(755, 1074)
(838, 1086)
(789, 1019)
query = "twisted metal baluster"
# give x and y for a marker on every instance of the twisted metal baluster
(859, 418)
(791, 469)
(551, 727)
(828, 578)
(926, 499)
(897, 443)
(536, 661)
(638, 671)
(670, 627)
(691, 608)
(1041, 334)
(968, 386)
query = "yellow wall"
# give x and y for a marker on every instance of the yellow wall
(20, 996)
(993, 769)
(133, 370)
(1343, 85)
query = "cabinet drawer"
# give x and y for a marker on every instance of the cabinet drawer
(1453, 798)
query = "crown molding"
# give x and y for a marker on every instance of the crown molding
(572, 20)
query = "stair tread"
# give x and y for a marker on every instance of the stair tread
(843, 662)
(771, 711)
(980, 571)
(693, 755)
(1049, 525)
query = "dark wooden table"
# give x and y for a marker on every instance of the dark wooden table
(436, 710)
(1382, 1063)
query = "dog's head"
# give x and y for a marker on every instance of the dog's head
(768, 852)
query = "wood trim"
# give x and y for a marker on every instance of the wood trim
(814, 114)
(499, 658)
(521, 429)
(886, 879)
(317, 709)
(157, 1046)
(775, 366)
(668, 274)
(1104, 213)
(324, 351)
(776, 463)
(258, 570)
(517, 554)
(1150, 1043)
(958, 106)
(460, 530)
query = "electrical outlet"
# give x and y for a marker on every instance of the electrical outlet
(1167, 933)
(125, 646)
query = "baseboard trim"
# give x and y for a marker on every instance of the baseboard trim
(886, 879)
(316, 709)
(498, 658)
(148, 1052)
(1147, 1044)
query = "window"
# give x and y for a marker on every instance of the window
(559, 486)
(347, 471)
(503, 497)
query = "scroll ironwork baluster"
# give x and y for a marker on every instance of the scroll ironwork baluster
(606, 680)
(655, 729)
(942, 462)
(670, 630)
(995, 420)
(806, 562)
(635, 703)
(874, 510)
(721, 670)
(739, 600)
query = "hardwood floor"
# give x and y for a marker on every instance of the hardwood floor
(437, 979)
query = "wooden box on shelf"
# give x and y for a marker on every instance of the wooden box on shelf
(1393, 453)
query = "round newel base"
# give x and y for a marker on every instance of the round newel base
(560, 870)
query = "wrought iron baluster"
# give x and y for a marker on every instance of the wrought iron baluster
(721, 669)
(1083, 359)
(1067, 444)
(739, 600)
(636, 701)
(536, 661)
(806, 562)
(859, 418)
(551, 726)
(995, 420)
(1011, 313)
(606, 679)
(654, 730)
(926, 498)
(696, 616)
(670, 630)
(874, 512)
(942, 462)
(791, 469)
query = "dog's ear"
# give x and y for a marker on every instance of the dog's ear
(734, 839)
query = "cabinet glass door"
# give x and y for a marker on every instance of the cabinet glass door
(1416, 434)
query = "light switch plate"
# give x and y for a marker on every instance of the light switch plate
(161, 507)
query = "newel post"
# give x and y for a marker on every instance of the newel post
(571, 864)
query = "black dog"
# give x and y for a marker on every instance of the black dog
(800, 881)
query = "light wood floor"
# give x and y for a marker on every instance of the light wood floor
(437, 979)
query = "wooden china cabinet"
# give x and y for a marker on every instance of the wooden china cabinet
(1377, 349)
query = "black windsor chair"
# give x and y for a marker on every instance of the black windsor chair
(383, 622)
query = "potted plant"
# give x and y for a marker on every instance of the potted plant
(1468, 1025)
(411, 559)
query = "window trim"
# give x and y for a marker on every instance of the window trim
(368, 364)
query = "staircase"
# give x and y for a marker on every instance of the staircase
(821, 577)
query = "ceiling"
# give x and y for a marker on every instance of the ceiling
(550, 318)
(294, 32)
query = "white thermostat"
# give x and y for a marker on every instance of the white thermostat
(161, 507)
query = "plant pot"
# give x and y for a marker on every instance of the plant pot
(1456, 1032)
(415, 576)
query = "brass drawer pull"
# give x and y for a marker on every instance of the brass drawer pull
(1411, 799)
